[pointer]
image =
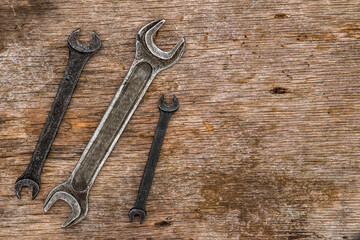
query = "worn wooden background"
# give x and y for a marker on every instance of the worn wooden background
(265, 144)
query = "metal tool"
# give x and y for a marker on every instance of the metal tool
(165, 115)
(78, 56)
(149, 61)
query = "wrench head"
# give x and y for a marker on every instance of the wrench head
(165, 108)
(137, 212)
(26, 182)
(92, 47)
(78, 202)
(146, 48)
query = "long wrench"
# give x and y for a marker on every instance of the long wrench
(165, 115)
(78, 56)
(149, 61)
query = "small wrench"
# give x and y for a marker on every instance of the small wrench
(78, 56)
(165, 114)
(149, 61)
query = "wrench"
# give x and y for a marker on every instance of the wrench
(165, 114)
(78, 56)
(149, 61)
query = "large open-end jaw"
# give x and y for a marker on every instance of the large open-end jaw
(92, 47)
(145, 46)
(78, 202)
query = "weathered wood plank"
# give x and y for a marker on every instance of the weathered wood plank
(264, 145)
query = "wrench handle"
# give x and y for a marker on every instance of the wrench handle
(153, 158)
(113, 123)
(68, 83)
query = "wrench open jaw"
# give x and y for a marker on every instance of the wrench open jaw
(92, 47)
(148, 62)
(78, 56)
(172, 108)
(147, 50)
(78, 201)
(137, 212)
(27, 182)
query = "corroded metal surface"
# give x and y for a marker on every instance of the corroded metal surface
(144, 189)
(78, 56)
(146, 65)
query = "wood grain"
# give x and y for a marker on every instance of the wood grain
(265, 144)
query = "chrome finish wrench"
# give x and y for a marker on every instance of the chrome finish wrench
(149, 61)
(78, 56)
(165, 115)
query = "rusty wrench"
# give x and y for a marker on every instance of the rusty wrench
(78, 56)
(149, 61)
(165, 114)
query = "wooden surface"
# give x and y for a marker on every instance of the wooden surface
(265, 144)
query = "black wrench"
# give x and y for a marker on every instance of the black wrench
(78, 56)
(165, 115)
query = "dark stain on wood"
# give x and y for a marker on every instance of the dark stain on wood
(317, 37)
(2, 46)
(351, 31)
(163, 224)
(34, 8)
(2, 120)
(279, 90)
(281, 16)
(258, 197)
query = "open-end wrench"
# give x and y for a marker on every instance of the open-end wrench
(165, 114)
(78, 56)
(149, 61)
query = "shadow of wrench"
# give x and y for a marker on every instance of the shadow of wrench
(165, 115)
(149, 61)
(78, 56)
